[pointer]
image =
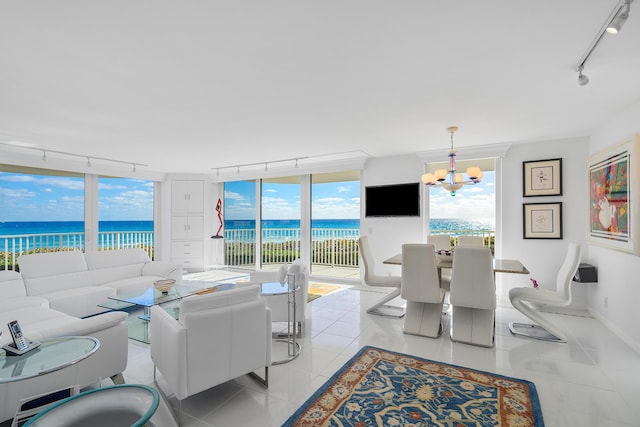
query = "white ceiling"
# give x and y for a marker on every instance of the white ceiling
(190, 86)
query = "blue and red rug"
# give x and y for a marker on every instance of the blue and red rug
(382, 388)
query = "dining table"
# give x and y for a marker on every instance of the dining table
(499, 265)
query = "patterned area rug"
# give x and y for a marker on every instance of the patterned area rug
(382, 388)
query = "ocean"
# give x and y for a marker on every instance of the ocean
(45, 227)
(345, 228)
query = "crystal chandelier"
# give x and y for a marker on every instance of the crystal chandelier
(449, 179)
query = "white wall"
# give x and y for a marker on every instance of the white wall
(386, 235)
(543, 257)
(614, 299)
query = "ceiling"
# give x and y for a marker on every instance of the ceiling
(191, 86)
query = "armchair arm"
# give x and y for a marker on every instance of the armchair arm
(163, 269)
(169, 350)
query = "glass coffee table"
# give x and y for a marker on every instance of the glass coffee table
(149, 297)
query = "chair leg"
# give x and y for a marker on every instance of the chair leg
(176, 416)
(542, 330)
(264, 381)
(381, 308)
(117, 379)
(423, 319)
(534, 331)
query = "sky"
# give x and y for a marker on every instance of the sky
(59, 198)
(341, 200)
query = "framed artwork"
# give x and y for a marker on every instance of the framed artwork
(613, 185)
(542, 220)
(542, 178)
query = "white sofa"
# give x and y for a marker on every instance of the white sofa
(75, 282)
(39, 321)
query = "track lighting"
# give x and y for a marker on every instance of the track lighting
(582, 79)
(612, 25)
(134, 167)
(89, 161)
(620, 18)
(44, 156)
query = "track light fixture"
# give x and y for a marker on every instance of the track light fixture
(582, 79)
(612, 25)
(620, 18)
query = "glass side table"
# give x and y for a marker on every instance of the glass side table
(52, 355)
(289, 288)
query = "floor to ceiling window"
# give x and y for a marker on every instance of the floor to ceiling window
(471, 211)
(125, 213)
(239, 207)
(280, 207)
(40, 210)
(335, 223)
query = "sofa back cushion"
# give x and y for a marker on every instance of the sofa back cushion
(11, 284)
(53, 271)
(111, 266)
(218, 299)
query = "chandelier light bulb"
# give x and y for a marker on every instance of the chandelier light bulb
(582, 79)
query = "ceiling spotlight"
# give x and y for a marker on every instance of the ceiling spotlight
(89, 161)
(44, 156)
(619, 19)
(134, 167)
(582, 79)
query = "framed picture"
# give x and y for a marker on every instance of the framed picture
(542, 220)
(542, 178)
(613, 200)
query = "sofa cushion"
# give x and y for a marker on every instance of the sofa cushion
(11, 284)
(104, 276)
(107, 259)
(51, 264)
(16, 303)
(53, 271)
(80, 302)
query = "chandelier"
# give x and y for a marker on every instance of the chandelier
(449, 179)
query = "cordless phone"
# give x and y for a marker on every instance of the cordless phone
(18, 339)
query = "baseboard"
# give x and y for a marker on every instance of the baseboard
(616, 331)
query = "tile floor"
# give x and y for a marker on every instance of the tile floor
(592, 381)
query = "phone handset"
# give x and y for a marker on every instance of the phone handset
(19, 340)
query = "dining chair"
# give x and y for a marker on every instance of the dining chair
(421, 288)
(529, 301)
(380, 308)
(442, 241)
(473, 296)
(470, 241)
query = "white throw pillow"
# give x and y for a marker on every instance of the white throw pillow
(282, 273)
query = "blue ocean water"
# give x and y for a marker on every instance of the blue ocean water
(45, 227)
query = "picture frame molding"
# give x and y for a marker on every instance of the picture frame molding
(542, 168)
(628, 149)
(549, 215)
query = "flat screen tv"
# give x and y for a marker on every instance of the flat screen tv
(392, 200)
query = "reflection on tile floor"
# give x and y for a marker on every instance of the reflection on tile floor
(592, 381)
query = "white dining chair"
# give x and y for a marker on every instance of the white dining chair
(421, 288)
(473, 297)
(442, 241)
(380, 308)
(529, 301)
(470, 241)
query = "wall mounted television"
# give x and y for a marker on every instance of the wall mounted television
(392, 200)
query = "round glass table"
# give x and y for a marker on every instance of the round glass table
(52, 354)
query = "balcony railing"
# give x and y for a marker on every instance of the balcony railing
(334, 247)
(11, 247)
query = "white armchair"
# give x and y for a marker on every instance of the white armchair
(218, 337)
(279, 304)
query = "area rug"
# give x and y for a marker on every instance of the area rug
(382, 388)
(316, 290)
